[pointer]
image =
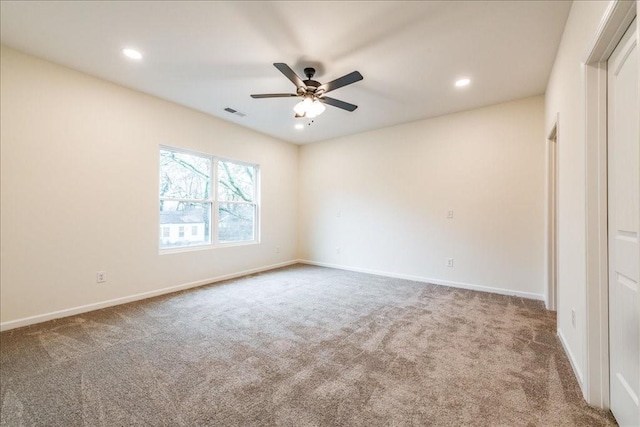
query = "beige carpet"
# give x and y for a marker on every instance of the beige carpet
(299, 346)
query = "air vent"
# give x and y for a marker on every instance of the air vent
(234, 112)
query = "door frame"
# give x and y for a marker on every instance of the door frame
(551, 246)
(616, 20)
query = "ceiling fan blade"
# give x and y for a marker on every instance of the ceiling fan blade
(342, 81)
(273, 95)
(289, 73)
(337, 103)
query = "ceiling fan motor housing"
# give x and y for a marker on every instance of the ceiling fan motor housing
(311, 85)
(310, 88)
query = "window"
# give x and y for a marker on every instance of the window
(216, 198)
(236, 202)
(185, 195)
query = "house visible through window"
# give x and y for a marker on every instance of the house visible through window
(216, 198)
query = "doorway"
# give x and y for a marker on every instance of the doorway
(552, 219)
(600, 374)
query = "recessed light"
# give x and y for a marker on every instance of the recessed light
(299, 126)
(462, 82)
(131, 53)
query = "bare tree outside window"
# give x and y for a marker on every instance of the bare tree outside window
(185, 197)
(237, 207)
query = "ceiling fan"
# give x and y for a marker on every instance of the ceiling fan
(312, 92)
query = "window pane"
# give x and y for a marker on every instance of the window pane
(236, 222)
(184, 176)
(236, 182)
(175, 216)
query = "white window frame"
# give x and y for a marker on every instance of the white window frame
(255, 203)
(215, 203)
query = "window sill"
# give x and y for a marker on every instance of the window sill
(206, 247)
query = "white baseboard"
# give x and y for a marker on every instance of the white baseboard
(576, 370)
(471, 286)
(26, 321)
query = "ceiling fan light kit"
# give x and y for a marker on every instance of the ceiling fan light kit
(312, 92)
(309, 108)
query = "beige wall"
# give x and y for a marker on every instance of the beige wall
(378, 201)
(565, 99)
(79, 175)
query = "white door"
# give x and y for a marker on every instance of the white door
(624, 219)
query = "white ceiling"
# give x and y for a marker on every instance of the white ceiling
(212, 55)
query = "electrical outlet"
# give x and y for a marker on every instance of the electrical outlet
(449, 214)
(338, 250)
(573, 317)
(101, 276)
(277, 249)
(449, 262)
